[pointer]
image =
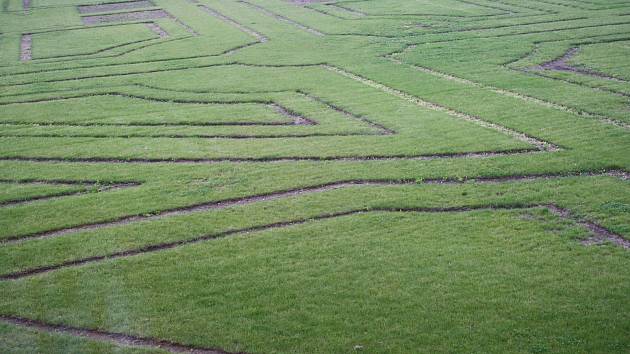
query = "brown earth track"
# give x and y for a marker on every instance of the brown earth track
(120, 339)
(155, 28)
(599, 233)
(538, 143)
(261, 38)
(222, 204)
(26, 44)
(114, 6)
(283, 18)
(102, 188)
(514, 94)
(125, 17)
(561, 64)
(280, 159)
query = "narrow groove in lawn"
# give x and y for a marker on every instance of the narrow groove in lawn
(121, 339)
(526, 98)
(54, 196)
(561, 64)
(26, 50)
(259, 36)
(155, 28)
(177, 160)
(226, 203)
(599, 233)
(283, 18)
(539, 144)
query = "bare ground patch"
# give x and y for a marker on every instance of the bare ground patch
(26, 47)
(284, 194)
(112, 337)
(562, 64)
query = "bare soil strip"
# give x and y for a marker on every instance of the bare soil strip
(513, 94)
(175, 160)
(561, 64)
(125, 17)
(383, 129)
(155, 28)
(149, 124)
(282, 18)
(26, 43)
(111, 187)
(353, 12)
(296, 117)
(539, 144)
(306, 2)
(114, 6)
(121, 339)
(259, 36)
(185, 26)
(599, 233)
(281, 195)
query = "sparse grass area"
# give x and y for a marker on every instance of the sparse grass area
(279, 177)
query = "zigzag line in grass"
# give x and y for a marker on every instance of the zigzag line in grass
(140, 97)
(538, 9)
(282, 18)
(73, 56)
(599, 233)
(222, 204)
(538, 143)
(297, 118)
(149, 43)
(192, 136)
(121, 339)
(225, 52)
(382, 129)
(492, 7)
(595, 7)
(151, 71)
(509, 93)
(259, 36)
(573, 82)
(473, 29)
(560, 64)
(176, 160)
(502, 35)
(554, 3)
(102, 187)
(356, 14)
(461, 30)
(591, 39)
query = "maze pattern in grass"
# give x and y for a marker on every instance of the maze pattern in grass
(314, 176)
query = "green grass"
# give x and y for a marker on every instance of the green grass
(399, 91)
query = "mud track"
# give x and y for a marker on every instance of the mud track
(261, 38)
(561, 64)
(120, 339)
(599, 234)
(53, 196)
(114, 6)
(26, 44)
(222, 204)
(125, 17)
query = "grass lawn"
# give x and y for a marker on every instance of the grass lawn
(275, 176)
